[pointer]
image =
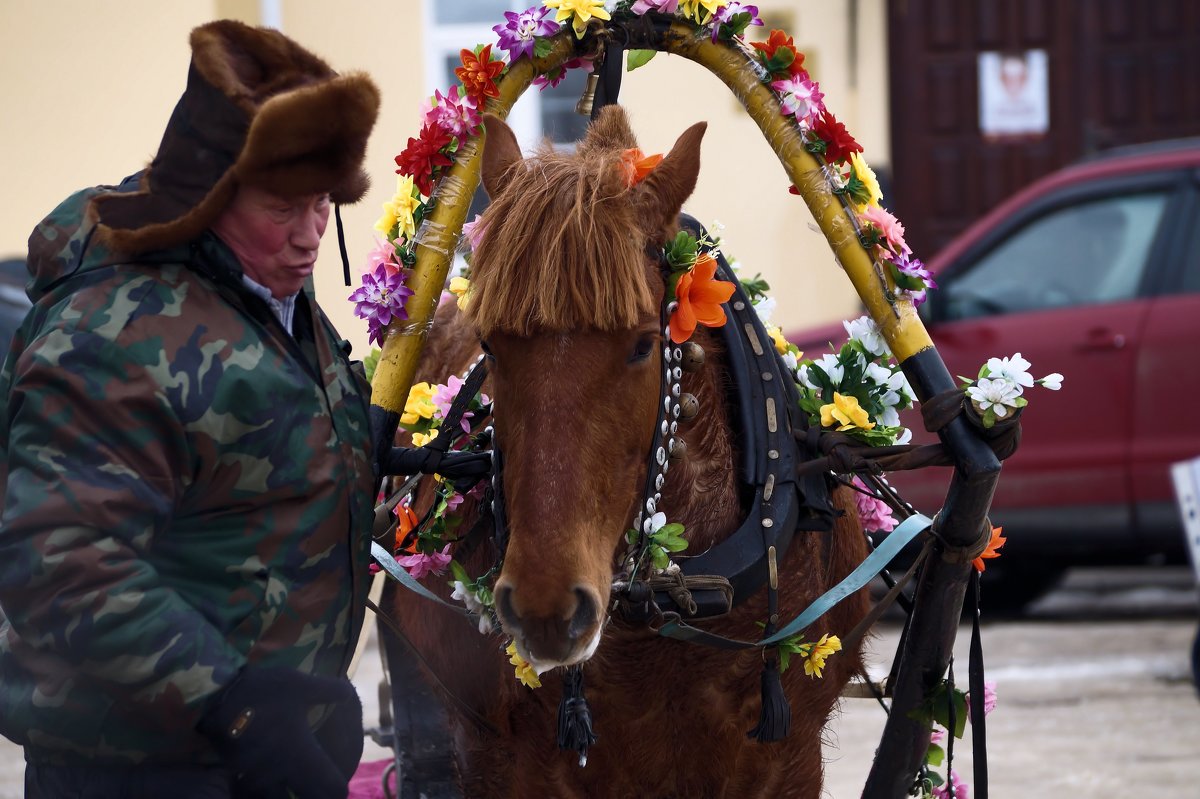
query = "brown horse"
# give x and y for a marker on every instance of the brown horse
(565, 298)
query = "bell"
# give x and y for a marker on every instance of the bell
(693, 357)
(689, 406)
(679, 451)
(584, 106)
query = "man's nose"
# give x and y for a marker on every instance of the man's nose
(306, 235)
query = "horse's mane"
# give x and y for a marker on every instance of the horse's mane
(561, 248)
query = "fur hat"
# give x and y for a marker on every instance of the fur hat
(258, 110)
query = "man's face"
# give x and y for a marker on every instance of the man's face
(275, 238)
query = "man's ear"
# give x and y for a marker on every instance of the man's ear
(500, 153)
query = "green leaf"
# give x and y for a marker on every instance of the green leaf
(785, 655)
(681, 252)
(939, 708)
(542, 47)
(631, 536)
(779, 62)
(371, 362)
(659, 557)
(638, 58)
(672, 529)
(675, 544)
(935, 755)
(459, 573)
(756, 287)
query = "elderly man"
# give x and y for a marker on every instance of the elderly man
(187, 466)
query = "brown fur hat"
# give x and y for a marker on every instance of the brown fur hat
(259, 110)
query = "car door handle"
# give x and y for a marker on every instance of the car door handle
(1100, 339)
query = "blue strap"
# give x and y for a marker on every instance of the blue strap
(389, 565)
(874, 563)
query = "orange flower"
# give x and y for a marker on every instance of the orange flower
(779, 40)
(992, 550)
(406, 522)
(479, 72)
(699, 298)
(636, 166)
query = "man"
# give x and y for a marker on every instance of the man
(187, 469)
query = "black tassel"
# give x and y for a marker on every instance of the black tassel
(574, 716)
(775, 720)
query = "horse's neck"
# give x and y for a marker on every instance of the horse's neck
(701, 489)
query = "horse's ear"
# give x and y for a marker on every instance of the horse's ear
(665, 189)
(500, 152)
(608, 131)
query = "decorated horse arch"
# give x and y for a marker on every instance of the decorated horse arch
(667, 565)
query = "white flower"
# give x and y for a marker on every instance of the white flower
(485, 624)
(997, 394)
(468, 598)
(905, 436)
(789, 360)
(657, 521)
(1052, 381)
(865, 331)
(830, 366)
(1015, 369)
(764, 308)
(889, 418)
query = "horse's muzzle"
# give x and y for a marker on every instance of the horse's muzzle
(563, 636)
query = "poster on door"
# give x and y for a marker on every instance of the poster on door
(1014, 94)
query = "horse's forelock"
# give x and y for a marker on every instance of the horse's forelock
(562, 249)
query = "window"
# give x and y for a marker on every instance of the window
(1082, 254)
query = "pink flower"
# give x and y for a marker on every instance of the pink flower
(802, 98)
(454, 501)
(889, 227)
(444, 395)
(989, 698)
(875, 514)
(937, 736)
(384, 253)
(661, 6)
(555, 76)
(954, 789)
(422, 565)
(473, 231)
(456, 115)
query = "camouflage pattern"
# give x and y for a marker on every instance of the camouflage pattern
(186, 489)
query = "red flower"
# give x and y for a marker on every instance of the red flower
(838, 141)
(423, 155)
(790, 60)
(478, 74)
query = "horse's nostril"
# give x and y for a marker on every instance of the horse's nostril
(584, 617)
(504, 608)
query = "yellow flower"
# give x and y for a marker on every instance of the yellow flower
(399, 210)
(419, 404)
(421, 439)
(845, 411)
(814, 662)
(581, 10)
(866, 176)
(459, 286)
(699, 10)
(525, 672)
(781, 343)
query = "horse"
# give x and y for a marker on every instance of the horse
(565, 301)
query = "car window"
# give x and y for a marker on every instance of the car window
(1087, 253)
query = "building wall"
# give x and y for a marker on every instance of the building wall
(87, 87)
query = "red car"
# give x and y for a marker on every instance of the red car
(1094, 272)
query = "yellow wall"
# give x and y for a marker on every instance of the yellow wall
(87, 87)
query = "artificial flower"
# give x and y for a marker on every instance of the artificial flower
(699, 297)
(874, 513)
(822, 649)
(423, 155)
(765, 307)
(890, 229)
(954, 789)
(422, 565)
(635, 165)
(1014, 369)
(398, 211)
(801, 97)
(989, 699)
(380, 299)
(866, 332)
(457, 115)
(937, 737)
(912, 277)
(478, 73)
(444, 396)
(555, 76)
(406, 522)
(996, 394)
(1052, 381)
(838, 141)
(518, 31)
(580, 12)
(699, 10)
(727, 15)
(781, 344)
(467, 597)
(473, 232)
(845, 411)
(779, 51)
(830, 365)
(661, 6)
(421, 439)
(992, 550)
(525, 672)
(419, 404)
(383, 253)
(866, 176)
(459, 287)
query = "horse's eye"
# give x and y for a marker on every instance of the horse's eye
(641, 352)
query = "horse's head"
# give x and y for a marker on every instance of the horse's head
(565, 297)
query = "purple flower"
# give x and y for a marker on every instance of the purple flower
(875, 514)
(910, 267)
(555, 77)
(380, 300)
(519, 30)
(802, 98)
(661, 6)
(725, 14)
(458, 116)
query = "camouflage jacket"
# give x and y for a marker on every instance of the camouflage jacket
(186, 489)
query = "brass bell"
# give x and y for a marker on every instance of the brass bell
(584, 106)
(689, 406)
(678, 450)
(693, 357)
